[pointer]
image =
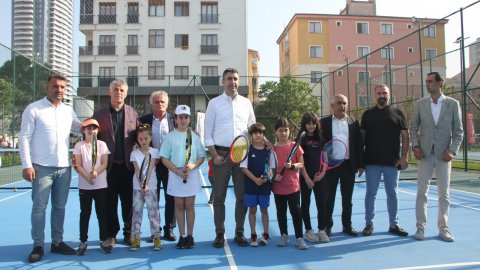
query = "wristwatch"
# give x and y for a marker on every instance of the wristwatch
(292, 166)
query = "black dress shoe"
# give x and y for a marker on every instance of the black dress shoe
(169, 236)
(328, 231)
(62, 248)
(368, 230)
(127, 241)
(350, 231)
(240, 239)
(36, 254)
(219, 241)
(398, 231)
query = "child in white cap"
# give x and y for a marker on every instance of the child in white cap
(182, 153)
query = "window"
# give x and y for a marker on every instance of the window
(411, 73)
(209, 44)
(315, 76)
(362, 101)
(209, 12)
(210, 75)
(132, 13)
(410, 49)
(85, 72)
(132, 77)
(386, 77)
(362, 51)
(156, 38)
(106, 75)
(339, 72)
(107, 13)
(362, 28)
(181, 8)
(430, 31)
(286, 42)
(316, 52)
(339, 48)
(86, 12)
(387, 53)
(431, 54)
(156, 8)
(409, 26)
(315, 27)
(156, 70)
(338, 23)
(362, 77)
(181, 72)
(181, 41)
(386, 29)
(132, 47)
(107, 45)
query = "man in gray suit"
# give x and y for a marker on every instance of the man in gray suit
(436, 134)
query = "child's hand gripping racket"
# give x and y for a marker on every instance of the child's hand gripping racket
(144, 170)
(91, 180)
(298, 141)
(188, 152)
(271, 166)
(239, 149)
(333, 154)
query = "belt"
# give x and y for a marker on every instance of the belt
(119, 162)
(222, 148)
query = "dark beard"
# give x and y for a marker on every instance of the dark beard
(382, 101)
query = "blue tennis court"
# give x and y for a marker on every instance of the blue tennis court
(379, 251)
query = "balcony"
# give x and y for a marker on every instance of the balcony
(86, 19)
(132, 18)
(132, 50)
(210, 80)
(107, 19)
(208, 49)
(85, 50)
(106, 50)
(208, 18)
(85, 82)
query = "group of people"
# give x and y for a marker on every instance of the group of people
(377, 146)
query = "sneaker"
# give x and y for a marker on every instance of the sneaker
(446, 236)
(182, 242)
(253, 241)
(301, 244)
(157, 243)
(368, 230)
(283, 242)
(106, 247)
(398, 231)
(264, 239)
(135, 243)
(168, 235)
(323, 237)
(240, 239)
(62, 248)
(189, 242)
(310, 236)
(36, 254)
(419, 235)
(219, 241)
(82, 249)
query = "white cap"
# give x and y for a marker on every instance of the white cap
(182, 109)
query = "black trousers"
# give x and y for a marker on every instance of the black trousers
(86, 198)
(344, 174)
(293, 203)
(162, 179)
(120, 185)
(320, 190)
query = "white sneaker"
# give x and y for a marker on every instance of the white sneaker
(446, 236)
(310, 236)
(264, 239)
(419, 235)
(323, 237)
(301, 244)
(283, 241)
(253, 241)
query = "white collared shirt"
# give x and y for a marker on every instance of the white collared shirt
(226, 118)
(436, 108)
(160, 129)
(45, 134)
(340, 132)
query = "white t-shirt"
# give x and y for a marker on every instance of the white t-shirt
(137, 156)
(85, 151)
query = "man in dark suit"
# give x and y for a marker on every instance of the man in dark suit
(345, 128)
(118, 122)
(162, 122)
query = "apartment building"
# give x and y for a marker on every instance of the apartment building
(351, 52)
(253, 73)
(181, 47)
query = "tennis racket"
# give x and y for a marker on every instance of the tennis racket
(188, 150)
(144, 169)
(271, 166)
(239, 149)
(333, 154)
(294, 149)
(94, 151)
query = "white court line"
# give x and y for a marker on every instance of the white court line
(16, 195)
(437, 266)
(228, 251)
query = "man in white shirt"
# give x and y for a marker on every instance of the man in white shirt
(44, 143)
(436, 133)
(227, 116)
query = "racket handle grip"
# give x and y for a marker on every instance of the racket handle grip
(184, 181)
(144, 185)
(283, 170)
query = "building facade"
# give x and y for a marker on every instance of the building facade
(253, 73)
(181, 47)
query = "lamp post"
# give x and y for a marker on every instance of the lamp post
(418, 23)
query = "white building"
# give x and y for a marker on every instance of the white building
(181, 47)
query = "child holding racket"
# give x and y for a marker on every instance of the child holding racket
(257, 189)
(91, 157)
(182, 153)
(311, 178)
(286, 187)
(144, 159)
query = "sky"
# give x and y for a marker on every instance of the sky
(267, 19)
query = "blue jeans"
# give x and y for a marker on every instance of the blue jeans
(54, 180)
(373, 174)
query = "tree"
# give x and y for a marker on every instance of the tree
(288, 98)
